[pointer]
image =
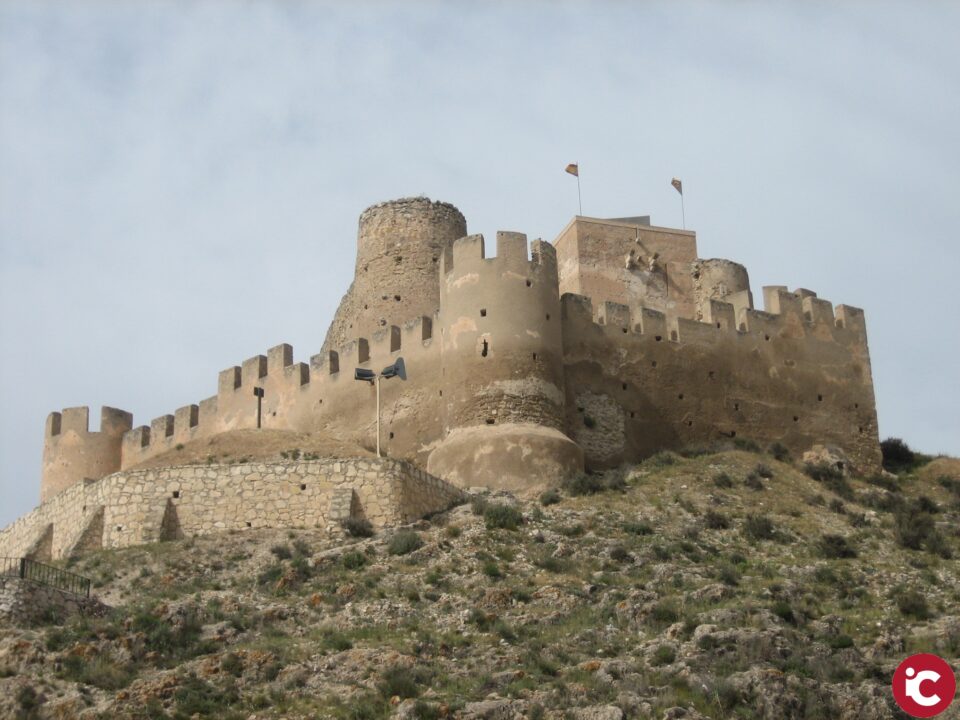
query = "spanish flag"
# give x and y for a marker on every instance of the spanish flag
(573, 169)
(677, 184)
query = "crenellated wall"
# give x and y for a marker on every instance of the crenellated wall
(796, 373)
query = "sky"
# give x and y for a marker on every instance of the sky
(180, 183)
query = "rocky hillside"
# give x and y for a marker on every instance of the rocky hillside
(721, 585)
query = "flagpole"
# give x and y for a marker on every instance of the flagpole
(683, 212)
(579, 200)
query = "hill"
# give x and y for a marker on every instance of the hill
(723, 585)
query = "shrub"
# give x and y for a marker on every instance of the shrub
(664, 655)
(232, 664)
(618, 553)
(357, 527)
(551, 564)
(763, 471)
(836, 546)
(779, 452)
(715, 520)
(746, 444)
(915, 529)
(840, 642)
(502, 516)
(753, 481)
(404, 542)
(28, 701)
(837, 506)
(478, 505)
(722, 480)
(281, 552)
(491, 569)
(882, 481)
(822, 471)
(353, 560)
(912, 603)
(662, 459)
(584, 484)
(728, 575)
(897, 455)
(638, 527)
(198, 697)
(759, 527)
(401, 682)
(331, 639)
(100, 672)
(665, 612)
(950, 484)
(550, 497)
(784, 610)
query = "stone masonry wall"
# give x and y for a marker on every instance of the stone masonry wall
(129, 508)
(23, 602)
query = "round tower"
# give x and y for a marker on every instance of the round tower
(71, 452)
(717, 279)
(502, 368)
(399, 248)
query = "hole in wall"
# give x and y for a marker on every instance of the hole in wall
(303, 486)
(711, 374)
(176, 494)
(767, 338)
(680, 396)
(856, 405)
(249, 524)
(490, 421)
(819, 398)
(653, 363)
(364, 269)
(397, 298)
(860, 429)
(320, 401)
(743, 327)
(733, 433)
(391, 436)
(624, 331)
(441, 393)
(624, 386)
(689, 423)
(398, 259)
(796, 418)
(366, 307)
(534, 356)
(673, 335)
(548, 316)
(736, 406)
(632, 414)
(658, 338)
(718, 326)
(483, 312)
(529, 283)
(486, 347)
(119, 528)
(579, 409)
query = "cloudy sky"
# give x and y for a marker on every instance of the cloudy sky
(180, 183)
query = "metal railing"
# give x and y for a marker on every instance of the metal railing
(27, 569)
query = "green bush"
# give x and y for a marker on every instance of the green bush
(784, 610)
(664, 655)
(353, 560)
(722, 480)
(759, 527)
(402, 682)
(357, 527)
(198, 697)
(334, 640)
(662, 459)
(638, 527)
(836, 547)
(763, 471)
(915, 529)
(779, 452)
(822, 471)
(404, 542)
(502, 516)
(728, 575)
(665, 612)
(912, 603)
(714, 520)
(584, 484)
(281, 552)
(28, 701)
(232, 664)
(887, 483)
(897, 455)
(478, 505)
(550, 497)
(949, 484)
(753, 481)
(100, 672)
(618, 553)
(492, 570)
(746, 444)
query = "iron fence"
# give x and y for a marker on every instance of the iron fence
(27, 569)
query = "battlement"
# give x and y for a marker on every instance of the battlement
(788, 314)
(468, 254)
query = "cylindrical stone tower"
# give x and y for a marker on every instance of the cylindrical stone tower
(399, 247)
(502, 368)
(71, 452)
(718, 279)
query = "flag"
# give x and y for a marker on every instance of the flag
(678, 185)
(573, 169)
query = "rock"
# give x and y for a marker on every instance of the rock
(829, 455)
(490, 710)
(597, 712)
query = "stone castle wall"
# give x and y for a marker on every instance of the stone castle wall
(130, 508)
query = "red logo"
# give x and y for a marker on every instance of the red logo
(924, 685)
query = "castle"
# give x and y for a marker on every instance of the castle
(604, 347)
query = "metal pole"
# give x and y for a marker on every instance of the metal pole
(579, 200)
(683, 212)
(378, 416)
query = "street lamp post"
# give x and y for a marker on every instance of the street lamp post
(396, 370)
